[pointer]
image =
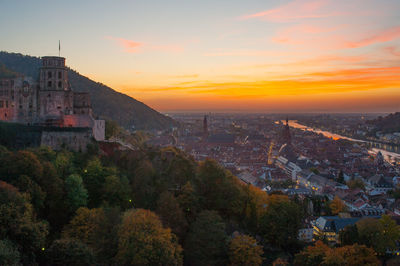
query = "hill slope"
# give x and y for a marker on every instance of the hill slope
(107, 103)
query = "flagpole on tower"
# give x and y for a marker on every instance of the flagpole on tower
(59, 48)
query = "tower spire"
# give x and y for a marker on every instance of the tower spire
(59, 48)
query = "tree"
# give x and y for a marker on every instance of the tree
(20, 163)
(312, 255)
(18, 223)
(370, 234)
(281, 222)
(116, 191)
(96, 228)
(76, 193)
(69, 252)
(206, 242)
(219, 190)
(356, 183)
(390, 232)
(349, 235)
(243, 250)
(255, 207)
(144, 241)
(112, 129)
(171, 214)
(188, 201)
(93, 177)
(9, 254)
(351, 255)
(337, 205)
(340, 178)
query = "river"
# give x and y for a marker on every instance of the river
(390, 152)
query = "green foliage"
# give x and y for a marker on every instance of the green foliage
(219, 190)
(76, 193)
(349, 235)
(171, 214)
(281, 221)
(69, 252)
(18, 223)
(356, 183)
(9, 254)
(112, 129)
(206, 243)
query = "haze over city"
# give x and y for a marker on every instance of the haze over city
(256, 56)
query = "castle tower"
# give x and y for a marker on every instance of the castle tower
(55, 95)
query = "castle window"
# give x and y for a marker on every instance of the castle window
(49, 84)
(59, 84)
(59, 74)
(49, 74)
(1, 104)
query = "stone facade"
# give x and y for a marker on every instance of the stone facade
(48, 102)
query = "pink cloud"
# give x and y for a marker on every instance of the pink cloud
(392, 50)
(297, 9)
(384, 36)
(128, 45)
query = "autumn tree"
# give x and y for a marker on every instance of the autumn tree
(244, 250)
(351, 255)
(337, 205)
(206, 243)
(144, 241)
(312, 255)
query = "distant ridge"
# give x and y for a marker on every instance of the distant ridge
(106, 102)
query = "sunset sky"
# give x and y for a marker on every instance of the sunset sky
(231, 55)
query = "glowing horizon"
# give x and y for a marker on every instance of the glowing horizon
(276, 56)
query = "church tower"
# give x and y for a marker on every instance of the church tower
(286, 136)
(55, 95)
(205, 128)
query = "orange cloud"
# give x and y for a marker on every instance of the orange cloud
(384, 36)
(298, 9)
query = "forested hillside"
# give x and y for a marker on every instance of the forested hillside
(107, 103)
(150, 207)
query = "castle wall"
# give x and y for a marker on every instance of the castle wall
(99, 130)
(74, 140)
(7, 106)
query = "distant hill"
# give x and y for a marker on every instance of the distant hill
(387, 124)
(106, 102)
